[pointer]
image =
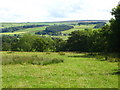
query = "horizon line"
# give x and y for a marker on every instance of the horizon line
(54, 21)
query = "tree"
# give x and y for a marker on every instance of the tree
(39, 44)
(7, 42)
(99, 40)
(79, 41)
(115, 29)
(26, 42)
(60, 44)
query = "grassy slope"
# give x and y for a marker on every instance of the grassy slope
(81, 27)
(76, 72)
(32, 30)
(29, 30)
(6, 25)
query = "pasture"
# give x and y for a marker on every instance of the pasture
(32, 30)
(24, 31)
(76, 28)
(76, 70)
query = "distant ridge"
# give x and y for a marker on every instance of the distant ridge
(63, 21)
(84, 21)
(77, 21)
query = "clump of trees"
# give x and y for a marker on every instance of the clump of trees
(57, 28)
(54, 30)
(106, 39)
(31, 43)
(114, 39)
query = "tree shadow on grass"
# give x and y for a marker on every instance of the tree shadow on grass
(116, 72)
(83, 56)
(90, 55)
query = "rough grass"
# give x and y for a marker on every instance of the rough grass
(77, 71)
(25, 58)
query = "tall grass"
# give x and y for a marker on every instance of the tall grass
(13, 58)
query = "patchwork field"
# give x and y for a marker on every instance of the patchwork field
(77, 70)
(35, 29)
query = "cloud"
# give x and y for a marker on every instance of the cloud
(54, 10)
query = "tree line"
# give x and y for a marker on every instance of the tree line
(86, 23)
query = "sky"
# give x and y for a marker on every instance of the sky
(55, 10)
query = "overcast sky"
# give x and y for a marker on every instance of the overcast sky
(55, 10)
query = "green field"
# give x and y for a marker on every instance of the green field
(77, 71)
(29, 30)
(9, 33)
(32, 30)
(76, 28)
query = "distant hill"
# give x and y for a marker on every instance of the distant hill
(78, 21)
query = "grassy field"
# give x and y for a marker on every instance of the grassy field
(77, 71)
(32, 30)
(76, 28)
(29, 30)
(9, 33)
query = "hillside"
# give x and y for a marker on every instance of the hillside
(38, 27)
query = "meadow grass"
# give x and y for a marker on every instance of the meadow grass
(77, 71)
(25, 58)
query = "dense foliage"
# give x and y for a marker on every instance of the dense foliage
(54, 29)
(115, 30)
(86, 23)
(57, 28)
(31, 43)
